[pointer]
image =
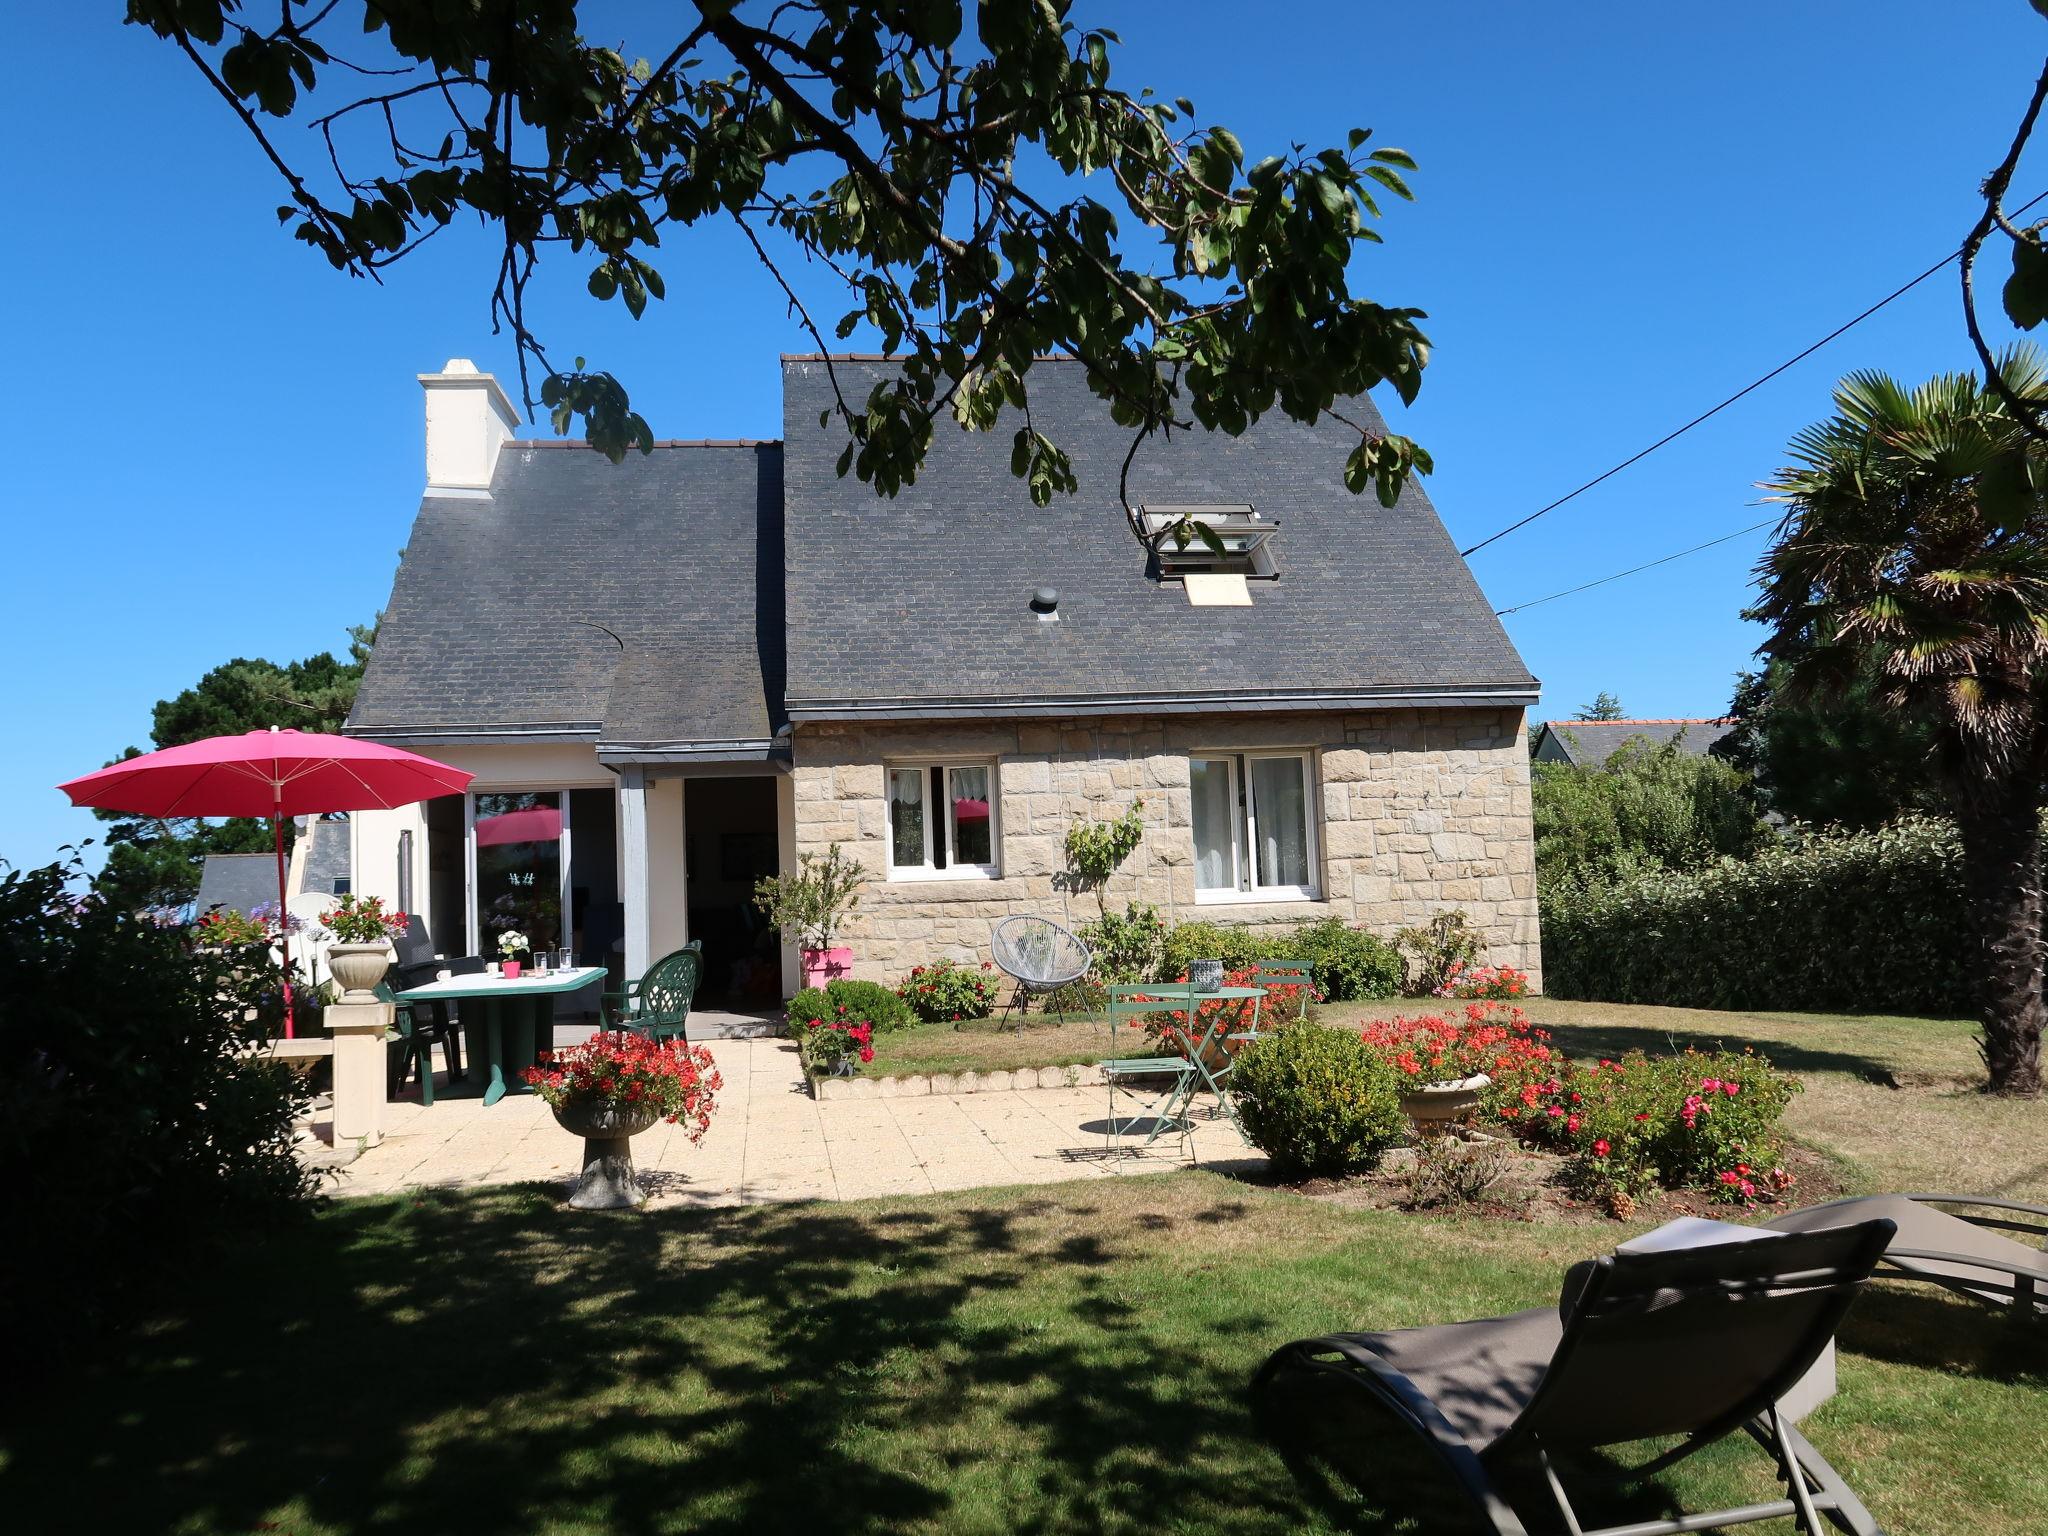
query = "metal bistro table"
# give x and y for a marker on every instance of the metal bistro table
(519, 1011)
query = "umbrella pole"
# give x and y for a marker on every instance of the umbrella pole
(284, 933)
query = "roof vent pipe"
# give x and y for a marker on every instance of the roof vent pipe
(1045, 602)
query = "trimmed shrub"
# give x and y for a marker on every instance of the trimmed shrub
(859, 1001)
(1837, 921)
(1351, 964)
(1125, 945)
(946, 989)
(1318, 1101)
(137, 1132)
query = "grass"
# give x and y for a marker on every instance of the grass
(983, 1045)
(1037, 1360)
(1043, 1361)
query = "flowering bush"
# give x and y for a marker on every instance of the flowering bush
(1697, 1120)
(946, 989)
(627, 1071)
(225, 928)
(362, 920)
(1498, 983)
(1491, 1037)
(830, 1047)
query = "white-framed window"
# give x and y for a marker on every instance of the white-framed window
(1254, 826)
(943, 821)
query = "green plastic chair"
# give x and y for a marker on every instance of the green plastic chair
(658, 1004)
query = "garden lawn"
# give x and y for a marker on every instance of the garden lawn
(983, 1045)
(1063, 1360)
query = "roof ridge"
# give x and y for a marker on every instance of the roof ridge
(900, 357)
(659, 442)
(1696, 720)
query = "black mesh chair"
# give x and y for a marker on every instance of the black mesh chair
(1699, 1342)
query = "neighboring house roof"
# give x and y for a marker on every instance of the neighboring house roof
(1589, 743)
(920, 605)
(327, 857)
(237, 881)
(635, 605)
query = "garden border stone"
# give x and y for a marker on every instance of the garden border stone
(955, 1084)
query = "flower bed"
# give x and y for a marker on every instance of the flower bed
(830, 1047)
(1699, 1120)
(1496, 983)
(622, 1070)
(948, 990)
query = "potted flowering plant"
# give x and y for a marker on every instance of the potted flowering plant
(832, 1047)
(512, 943)
(810, 905)
(1446, 1063)
(360, 952)
(611, 1088)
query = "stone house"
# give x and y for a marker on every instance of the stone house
(678, 673)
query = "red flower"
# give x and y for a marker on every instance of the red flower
(1601, 1148)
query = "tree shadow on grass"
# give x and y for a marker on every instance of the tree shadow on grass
(1592, 1041)
(493, 1362)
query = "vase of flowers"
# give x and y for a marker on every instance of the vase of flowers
(611, 1088)
(361, 932)
(511, 944)
(1446, 1063)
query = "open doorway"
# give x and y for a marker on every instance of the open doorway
(729, 826)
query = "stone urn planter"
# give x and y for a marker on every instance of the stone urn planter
(358, 967)
(1433, 1106)
(607, 1182)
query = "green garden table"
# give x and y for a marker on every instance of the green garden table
(1191, 1070)
(520, 1011)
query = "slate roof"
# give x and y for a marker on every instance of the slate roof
(1589, 743)
(920, 605)
(237, 881)
(635, 605)
(327, 857)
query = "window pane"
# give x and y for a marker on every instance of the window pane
(1279, 806)
(1214, 817)
(972, 840)
(906, 817)
(519, 869)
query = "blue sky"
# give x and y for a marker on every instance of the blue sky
(212, 444)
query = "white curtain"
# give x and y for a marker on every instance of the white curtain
(906, 816)
(1214, 816)
(1279, 805)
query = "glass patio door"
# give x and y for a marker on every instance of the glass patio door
(519, 852)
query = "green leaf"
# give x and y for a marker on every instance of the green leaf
(2026, 291)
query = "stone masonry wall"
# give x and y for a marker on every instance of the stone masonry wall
(1421, 809)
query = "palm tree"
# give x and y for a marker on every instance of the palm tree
(1916, 550)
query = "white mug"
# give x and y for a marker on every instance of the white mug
(444, 974)
(494, 967)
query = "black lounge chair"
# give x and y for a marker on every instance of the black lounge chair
(1963, 1252)
(1697, 1342)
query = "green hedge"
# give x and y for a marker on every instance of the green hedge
(1351, 964)
(1841, 921)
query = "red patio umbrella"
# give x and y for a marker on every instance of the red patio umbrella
(535, 824)
(275, 773)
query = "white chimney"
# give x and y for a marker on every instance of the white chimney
(468, 420)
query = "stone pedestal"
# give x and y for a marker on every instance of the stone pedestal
(359, 1070)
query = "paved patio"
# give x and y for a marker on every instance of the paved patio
(770, 1140)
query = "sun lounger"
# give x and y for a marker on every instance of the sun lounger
(1966, 1252)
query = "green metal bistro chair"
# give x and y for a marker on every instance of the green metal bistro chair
(658, 1004)
(1288, 973)
(1136, 1075)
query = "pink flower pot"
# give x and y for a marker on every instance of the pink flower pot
(823, 965)
(512, 968)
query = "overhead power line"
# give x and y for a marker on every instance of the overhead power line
(1755, 384)
(1632, 570)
